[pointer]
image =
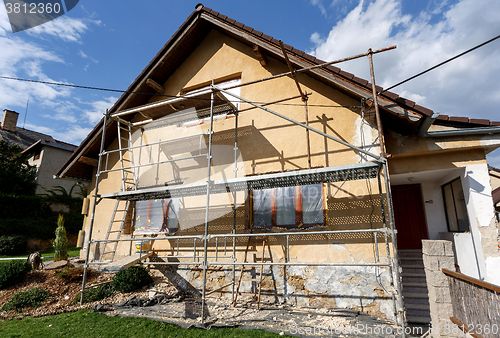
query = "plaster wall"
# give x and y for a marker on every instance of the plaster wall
(51, 159)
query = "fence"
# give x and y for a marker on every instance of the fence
(476, 305)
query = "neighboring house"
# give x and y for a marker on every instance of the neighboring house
(495, 185)
(282, 179)
(46, 153)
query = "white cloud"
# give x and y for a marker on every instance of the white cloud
(64, 27)
(464, 87)
(98, 109)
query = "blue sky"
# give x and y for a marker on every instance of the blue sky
(108, 43)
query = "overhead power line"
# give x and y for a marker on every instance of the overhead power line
(439, 65)
(156, 94)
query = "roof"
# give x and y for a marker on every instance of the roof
(26, 138)
(397, 112)
(496, 195)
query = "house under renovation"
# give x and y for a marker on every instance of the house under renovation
(244, 167)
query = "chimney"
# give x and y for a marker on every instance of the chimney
(9, 120)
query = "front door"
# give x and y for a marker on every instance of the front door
(409, 216)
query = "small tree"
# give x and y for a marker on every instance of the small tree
(61, 242)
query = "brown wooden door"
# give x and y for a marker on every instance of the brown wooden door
(409, 216)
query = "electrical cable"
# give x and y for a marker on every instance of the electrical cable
(440, 64)
(164, 95)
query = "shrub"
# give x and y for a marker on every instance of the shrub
(12, 272)
(131, 279)
(61, 241)
(12, 245)
(94, 294)
(33, 297)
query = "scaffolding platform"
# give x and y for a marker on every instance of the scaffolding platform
(124, 263)
(350, 172)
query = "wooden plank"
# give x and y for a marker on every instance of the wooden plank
(259, 53)
(155, 85)
(465, 328)
(126, 262)
(474, 281)
(87, 160)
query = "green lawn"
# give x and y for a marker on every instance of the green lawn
(86, 324)
(72, 252)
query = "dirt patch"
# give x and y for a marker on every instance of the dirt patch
(65, 287)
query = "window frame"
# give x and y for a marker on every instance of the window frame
(455, 209)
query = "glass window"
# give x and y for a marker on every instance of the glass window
(262, 211)
(289, 206)
(456, 210)
(156, 216)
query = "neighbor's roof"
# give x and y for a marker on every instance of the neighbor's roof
(397, 112)
(26, 139)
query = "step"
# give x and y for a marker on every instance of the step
(415, 295)
(418, 319)
(418, 313)
(414, 270)
(412, 266)
(415, 289)
(417, 306)
(414, 301)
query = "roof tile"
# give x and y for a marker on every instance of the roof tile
(298, 52)
(238, 24)
(480, 121)
(495, 123)
(267, 37)
(423, 110)
(214, 12)
(256, 32)
(406, 102)
(360, 81)
(308, 57)
(248, 29)
(443, 117)
(391, 95)
(287, 47)
(222, 16)
(276, 42)
(232, 21)
(459, 119)
(344, 73)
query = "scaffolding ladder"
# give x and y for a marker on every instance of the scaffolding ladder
(258, 280)
(109, 245)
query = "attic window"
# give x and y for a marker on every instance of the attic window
(454, 204)
(222, 84)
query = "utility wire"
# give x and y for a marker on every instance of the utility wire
(440, 64)
(156, 94)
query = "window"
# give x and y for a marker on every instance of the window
(454, 204)
(157, 216)
(289, 207)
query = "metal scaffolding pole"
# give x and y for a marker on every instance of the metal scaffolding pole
(92, 217)
(207, 210)
(395, 261)
(234, 198)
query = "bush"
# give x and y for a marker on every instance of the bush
(33, 297)
(94, 294)
(131, 279)
(12, 245)
(12, 272)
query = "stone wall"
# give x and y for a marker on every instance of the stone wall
(438, 255)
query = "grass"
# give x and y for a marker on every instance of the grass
(72, 252)
(86, 324)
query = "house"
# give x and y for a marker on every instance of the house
(201, 155)
(495, 185)
(46, 153)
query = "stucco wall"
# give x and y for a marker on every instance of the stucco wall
(51, 159)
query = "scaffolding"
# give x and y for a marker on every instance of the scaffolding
(224, 245)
